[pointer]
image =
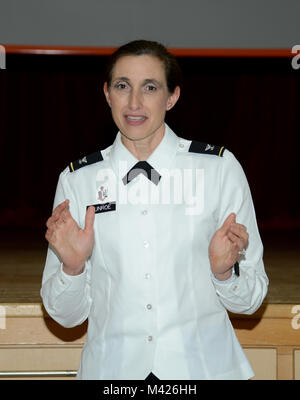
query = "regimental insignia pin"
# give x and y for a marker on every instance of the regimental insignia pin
(102, 193)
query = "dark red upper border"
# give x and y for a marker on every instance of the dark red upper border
(179, 52)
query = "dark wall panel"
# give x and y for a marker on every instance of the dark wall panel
(52, 111)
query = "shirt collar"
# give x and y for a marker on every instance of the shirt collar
(122, 160)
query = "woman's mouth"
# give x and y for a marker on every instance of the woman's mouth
(135, 120)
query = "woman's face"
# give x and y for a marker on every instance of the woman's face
(139, 97)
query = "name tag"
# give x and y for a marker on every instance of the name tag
(101, 208)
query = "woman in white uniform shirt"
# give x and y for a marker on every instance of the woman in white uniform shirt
(152, 266)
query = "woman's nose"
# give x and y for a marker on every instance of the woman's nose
(135, 100)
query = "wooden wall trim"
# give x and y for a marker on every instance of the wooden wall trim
(265, 311)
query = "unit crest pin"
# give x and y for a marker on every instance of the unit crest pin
(102, 193)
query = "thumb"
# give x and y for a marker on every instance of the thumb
(228, 221)
(89, 218)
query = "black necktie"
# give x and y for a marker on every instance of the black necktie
(142, 167)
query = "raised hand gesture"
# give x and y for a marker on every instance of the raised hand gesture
(226, 246)
(72, 244)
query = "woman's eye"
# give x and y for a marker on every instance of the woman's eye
(150, 88)
(120, 85)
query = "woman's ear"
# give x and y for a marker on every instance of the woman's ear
(172, 100)
(106, 92)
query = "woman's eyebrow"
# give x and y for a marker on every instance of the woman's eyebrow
(145, 82)
(122, 78)
(154, 81)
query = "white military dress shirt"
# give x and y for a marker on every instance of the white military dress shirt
(147, 289)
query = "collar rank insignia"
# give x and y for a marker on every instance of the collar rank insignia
(206, 148)
(87, 160)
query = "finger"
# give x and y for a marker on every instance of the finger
(243, 236)
(228, 221)
(50, 236)
(58, 223)
(238, 243)
(240, 230)
(47, 235)
(239, 227)
(52, 221)
(89, 218)
(49, 222)
(56, 214)
(66, 215)
(57, 211)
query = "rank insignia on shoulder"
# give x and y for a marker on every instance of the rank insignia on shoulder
(87, 160)
(206, 148)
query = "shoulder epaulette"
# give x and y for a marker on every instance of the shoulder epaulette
(206, 148)
(87, 160)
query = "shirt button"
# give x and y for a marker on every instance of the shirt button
(181, 145)
(149, 306)
(234, 288)
(144, 212)
(149, 338)
(147, 276)
(146, 244)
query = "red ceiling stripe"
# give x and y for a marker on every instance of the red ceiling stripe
(179, 52)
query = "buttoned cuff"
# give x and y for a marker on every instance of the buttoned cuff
(226, 281)
(71, 282)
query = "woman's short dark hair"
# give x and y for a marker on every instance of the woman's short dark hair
(147, 47)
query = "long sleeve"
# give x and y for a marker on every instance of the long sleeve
(65, 297)
(243, 294)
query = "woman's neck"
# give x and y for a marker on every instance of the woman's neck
(143, 148)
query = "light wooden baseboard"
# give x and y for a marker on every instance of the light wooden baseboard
(33, 346)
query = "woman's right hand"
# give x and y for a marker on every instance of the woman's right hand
(72, 244)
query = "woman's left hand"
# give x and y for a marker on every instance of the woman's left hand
(225, 247)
